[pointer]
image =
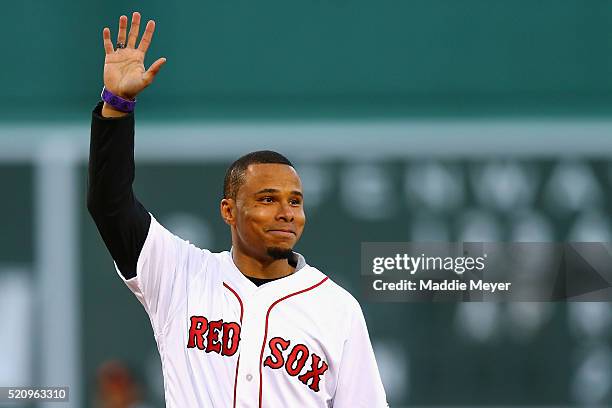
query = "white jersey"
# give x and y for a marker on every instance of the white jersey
(298, 341)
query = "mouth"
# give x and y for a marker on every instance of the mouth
(281, 232)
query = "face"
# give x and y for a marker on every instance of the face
(268, 213)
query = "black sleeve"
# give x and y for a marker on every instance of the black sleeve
(122, 220)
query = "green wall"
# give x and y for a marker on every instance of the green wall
(320, 58)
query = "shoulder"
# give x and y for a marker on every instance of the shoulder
(159, 232)
(164, 245)
(336, 297)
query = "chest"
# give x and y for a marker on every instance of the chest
(225, 322)
(291, 343)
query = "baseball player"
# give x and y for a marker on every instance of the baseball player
(255, 326)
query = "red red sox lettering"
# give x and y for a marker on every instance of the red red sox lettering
(296, 361)
(223, 338)
(202, 331)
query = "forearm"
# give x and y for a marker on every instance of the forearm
(122, 220)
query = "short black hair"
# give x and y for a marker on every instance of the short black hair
(235, 174)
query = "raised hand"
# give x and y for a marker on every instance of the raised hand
(124, 70)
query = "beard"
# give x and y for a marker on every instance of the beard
(280, 253)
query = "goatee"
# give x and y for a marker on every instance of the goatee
(280, 253)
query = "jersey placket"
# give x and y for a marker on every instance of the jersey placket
(252, 334)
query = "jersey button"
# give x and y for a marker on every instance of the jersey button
(249, 377)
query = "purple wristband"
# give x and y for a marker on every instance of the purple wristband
(117, 102)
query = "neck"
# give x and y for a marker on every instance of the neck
(263, 269)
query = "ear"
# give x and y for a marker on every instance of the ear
(228, 211)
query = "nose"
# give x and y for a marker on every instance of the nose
(285, 213)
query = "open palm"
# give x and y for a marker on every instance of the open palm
(124, 70)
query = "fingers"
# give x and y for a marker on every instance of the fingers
(145, 41)
(108, 45)
(122, 29)
(153, 70)
(134, 27)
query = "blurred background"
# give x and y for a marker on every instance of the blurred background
(414, 120)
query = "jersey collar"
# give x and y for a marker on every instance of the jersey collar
(304, 276)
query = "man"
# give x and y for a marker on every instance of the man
(253, 327)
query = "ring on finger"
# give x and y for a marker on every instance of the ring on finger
(119, 46)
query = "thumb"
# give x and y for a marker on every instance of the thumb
(153, 70)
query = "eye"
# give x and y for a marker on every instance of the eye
(266, 199)
(295, 201)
